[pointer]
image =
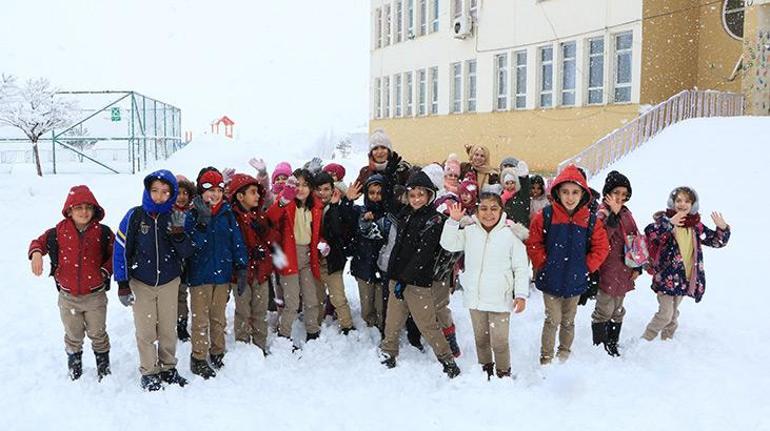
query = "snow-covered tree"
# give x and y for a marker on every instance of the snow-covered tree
(345, 146)
(36, 109)
(7, 86)
(79, 139)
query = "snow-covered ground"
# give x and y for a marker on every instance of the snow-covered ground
(712, 376)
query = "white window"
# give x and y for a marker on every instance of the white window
(409, 93)
(623, 46)
(434, 90)
(501, 81)
(434, 17)
(474, 9)
(733, 12)
(457, 8)
(377, 98)
(422, 95)
(422, 15)
(386, 96)
(470, 67)
(388, 26)
(410, 19)
(457, 87)
(399, 21)
(596, 71)
(546, 76)
(568, 73)
(521, 79)
(397, 94)
(377, 28)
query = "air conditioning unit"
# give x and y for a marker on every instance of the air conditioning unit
(462, 26)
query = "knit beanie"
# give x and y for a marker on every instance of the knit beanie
(616, 179)
(379, 138)
(436, 174)
(283, 168)
(509, 161)
(335, 170)
(452, 165)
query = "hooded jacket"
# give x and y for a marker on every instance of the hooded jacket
(370, 235)
(283, 217)
(614, 274)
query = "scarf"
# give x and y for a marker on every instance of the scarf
(691, 220)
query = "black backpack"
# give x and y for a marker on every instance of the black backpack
(52, 243)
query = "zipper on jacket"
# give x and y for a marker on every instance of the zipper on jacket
(481, 268)
(157, 253)
(80, 262)
(567, 247)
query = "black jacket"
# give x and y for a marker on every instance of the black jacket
(337, 234)
(417, 244)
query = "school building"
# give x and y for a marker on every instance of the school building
(543, 79)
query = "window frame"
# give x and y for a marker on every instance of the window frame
(422, 92)
(388, 23)
(434, 14)
(410, 20)
(736, 10)
(377, 98)
(434, 89)
(422, 17)
(378, 28)
(501, 74)
(386, 97)
(564, 64)
(399, 21)
(471, 83)
(615, 76)
(409, 94)
(542, 64)
(398, 94)
(520, 70)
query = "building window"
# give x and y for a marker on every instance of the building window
(501, 81)
(410, 19)
(388, 26)
(521, 79)
(623, 44)
(596, 71)
(386, 96)
(378, 28)
(733, 12)
(470, 67)
(457, 87)
(474, 9)
(422, 14)
(409, 84)
(434, 90)
(546, 76)
(397, 95)
(434, 16)
(568, 73)
(422, 92)
(457, 8)
(399, 21)
(377, 98)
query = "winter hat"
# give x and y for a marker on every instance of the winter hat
(186, 184)
(421, 179)
(379, 138)
(282, 168)
(322, 178)
(492, 188)
(509, 161)
(240, 182)
(509, 174)
(341, 186)
(469, 186)
(82, 195)
(335, 169)
(210, 179)
(691, 194)
(616, 179)
(452, 165)
(435, 172)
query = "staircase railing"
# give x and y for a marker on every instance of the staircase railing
(681, 106)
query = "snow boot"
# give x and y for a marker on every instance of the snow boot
(201, 368)
(346, 331)
(102, 364)
(172, 377)
(599, 330)
(312, 336)
(503, 373)
(450, 368)
(181, 330)
(451, 338)
(613, 335)
(151, 383)
(217, 361)
(489, 369)
(388, 360)
(75, 365)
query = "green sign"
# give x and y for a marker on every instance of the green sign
(115, 114)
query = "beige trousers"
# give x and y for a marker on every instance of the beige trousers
(441, 292)
(491, 332)
(83, 315)
(155, 320)
(301, 284)
(608, 308)
(208, 303)
(335, 287)
(559, 315)
(250, 321)
(183, 311)
(372, 303)
(665, 321)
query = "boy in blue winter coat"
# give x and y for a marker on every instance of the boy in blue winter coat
(219, 250)
(149, 247)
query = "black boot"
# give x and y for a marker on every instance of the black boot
(599, 330)
(102, 364)
(181, 330)
(151, 383)
(217, 361)
(201, 368)
(503, 373)
(388, 360)
(172, 377)
(451, 338)
(450, 368)
(312, 336)
(489, 369)
(75, 364)
(613, 335)
(346, 331)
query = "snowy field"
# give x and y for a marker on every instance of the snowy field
(712, 376)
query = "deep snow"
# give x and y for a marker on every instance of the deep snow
(713, 375)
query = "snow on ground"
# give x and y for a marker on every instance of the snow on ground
(713, 375)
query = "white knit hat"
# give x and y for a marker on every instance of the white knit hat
(379, 138)
(435, 172)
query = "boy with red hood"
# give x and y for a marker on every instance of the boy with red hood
(566, 243)
(80, 249)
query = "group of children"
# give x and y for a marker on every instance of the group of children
(284, 240)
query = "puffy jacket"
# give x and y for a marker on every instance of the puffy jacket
(564, 259)
(496, 266)
(517, 207)
(283, 217)
(219, 248)
(370, 235)
(614, 274)
(259, 236)
(337, 234)
(84, 263)
(144, 247)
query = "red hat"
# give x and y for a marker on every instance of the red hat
(240, 182)
(335, 170)
(210, 179)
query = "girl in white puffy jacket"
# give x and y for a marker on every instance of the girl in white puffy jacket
(495, 279)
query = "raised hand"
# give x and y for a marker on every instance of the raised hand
(202, 209)
(227, 174)
(719, 220)
(177, 222)
(612, 204)
(336, 196)
(259, 165)
(456, 211)
(678, 219)
(289, 191)
(354, 191)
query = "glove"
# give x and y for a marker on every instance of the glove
(242, 276)
(259, 165)
(203, 210)
(227, 174)
(393, 162)
(521, 170)
(289, 191)
(279, 258)
(277, 188)
(398, 290)
(314, 165)
(125, 295)
(324, 248)
(177, 222)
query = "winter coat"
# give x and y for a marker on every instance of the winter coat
(517, 207)
(219, 248)
(259, 236)
(668, 268)
(496, 266)
(537, 204)
(283, 217)
(144, 247)
(614, 274)
(370, 235)
(83, 261)
(337, 234)
(562, 259)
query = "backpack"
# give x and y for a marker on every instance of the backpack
(52, 243)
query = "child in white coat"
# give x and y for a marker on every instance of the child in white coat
(495, 279)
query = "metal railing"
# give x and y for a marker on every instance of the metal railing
(681, 106)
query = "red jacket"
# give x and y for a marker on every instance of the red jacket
(283, 217)
(614, 274)
(84, 264)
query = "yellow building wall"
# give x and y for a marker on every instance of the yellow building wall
(543, 138)
(718, 52)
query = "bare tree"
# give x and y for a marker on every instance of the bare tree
(7, 86)
(78, 137)
(36, 109)
(345, 146)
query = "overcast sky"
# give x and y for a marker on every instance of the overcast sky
(284, 70)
